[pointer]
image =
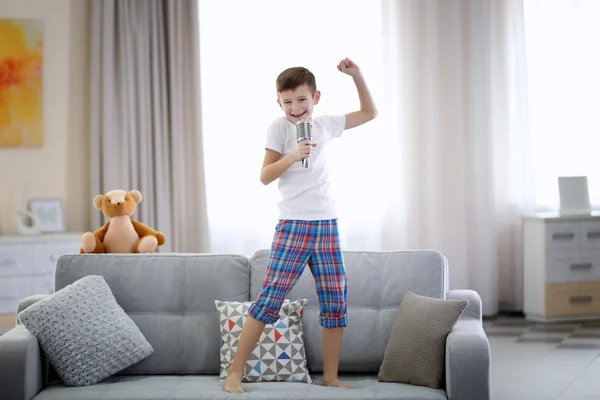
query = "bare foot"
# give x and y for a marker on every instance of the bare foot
(233, 383)
(335, 383)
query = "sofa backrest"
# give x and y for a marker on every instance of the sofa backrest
(377, 282)
(171, 299)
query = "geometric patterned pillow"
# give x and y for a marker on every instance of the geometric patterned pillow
(279, 355)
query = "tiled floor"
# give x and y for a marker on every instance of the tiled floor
(544, 362)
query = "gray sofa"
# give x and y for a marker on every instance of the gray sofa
(171, 299)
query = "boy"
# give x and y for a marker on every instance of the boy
(307, 231)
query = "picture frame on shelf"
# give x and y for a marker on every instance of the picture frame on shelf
(50, 213)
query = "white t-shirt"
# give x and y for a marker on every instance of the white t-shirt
(305, 192)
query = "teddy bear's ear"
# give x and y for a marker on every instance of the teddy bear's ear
(137, 196)
(98, 201)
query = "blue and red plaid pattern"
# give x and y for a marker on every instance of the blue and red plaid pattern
(297, 244)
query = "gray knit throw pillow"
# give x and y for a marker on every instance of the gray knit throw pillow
(85, 333)
(416, 350)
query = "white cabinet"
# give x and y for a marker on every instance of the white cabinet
(27, 267)
(561, 267)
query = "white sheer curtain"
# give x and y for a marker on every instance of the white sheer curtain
(439, 169)
(455, 74)
(563, 69)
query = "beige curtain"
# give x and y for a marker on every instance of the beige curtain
(146, 130)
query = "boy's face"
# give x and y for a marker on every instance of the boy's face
(298, 103)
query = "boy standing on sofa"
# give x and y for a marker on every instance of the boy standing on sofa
(307, 232)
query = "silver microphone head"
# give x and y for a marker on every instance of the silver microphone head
(303, 130)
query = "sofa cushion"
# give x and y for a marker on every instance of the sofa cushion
(278, 356)
(200, 387)
(85, 333)
(171, 299)
(416, 349)
(377, 281)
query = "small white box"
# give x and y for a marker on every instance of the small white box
(574, 195)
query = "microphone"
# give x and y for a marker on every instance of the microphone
(303, 132)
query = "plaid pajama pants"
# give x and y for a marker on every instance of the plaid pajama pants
(297, 244)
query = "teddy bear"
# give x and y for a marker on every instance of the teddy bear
(121, 234)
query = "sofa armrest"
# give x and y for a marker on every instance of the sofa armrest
(20, 365)
(473, 310)
(468, 353)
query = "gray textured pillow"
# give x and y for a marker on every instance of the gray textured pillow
(416, 349)
(85, 333)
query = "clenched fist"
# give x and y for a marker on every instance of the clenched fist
(302, 151)
(348, 67)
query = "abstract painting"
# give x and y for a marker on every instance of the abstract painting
(21, 83)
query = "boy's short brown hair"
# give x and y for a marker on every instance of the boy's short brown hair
(293, 77)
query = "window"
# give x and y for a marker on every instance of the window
(563, 72)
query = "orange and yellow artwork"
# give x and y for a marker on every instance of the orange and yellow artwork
(21, 83)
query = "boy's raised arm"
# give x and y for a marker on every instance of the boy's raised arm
(367, 111)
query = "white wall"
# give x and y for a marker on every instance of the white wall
(59, 169)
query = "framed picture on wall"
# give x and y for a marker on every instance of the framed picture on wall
(50, 213)
(22, 83)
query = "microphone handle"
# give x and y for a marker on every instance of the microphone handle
(305, 161)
